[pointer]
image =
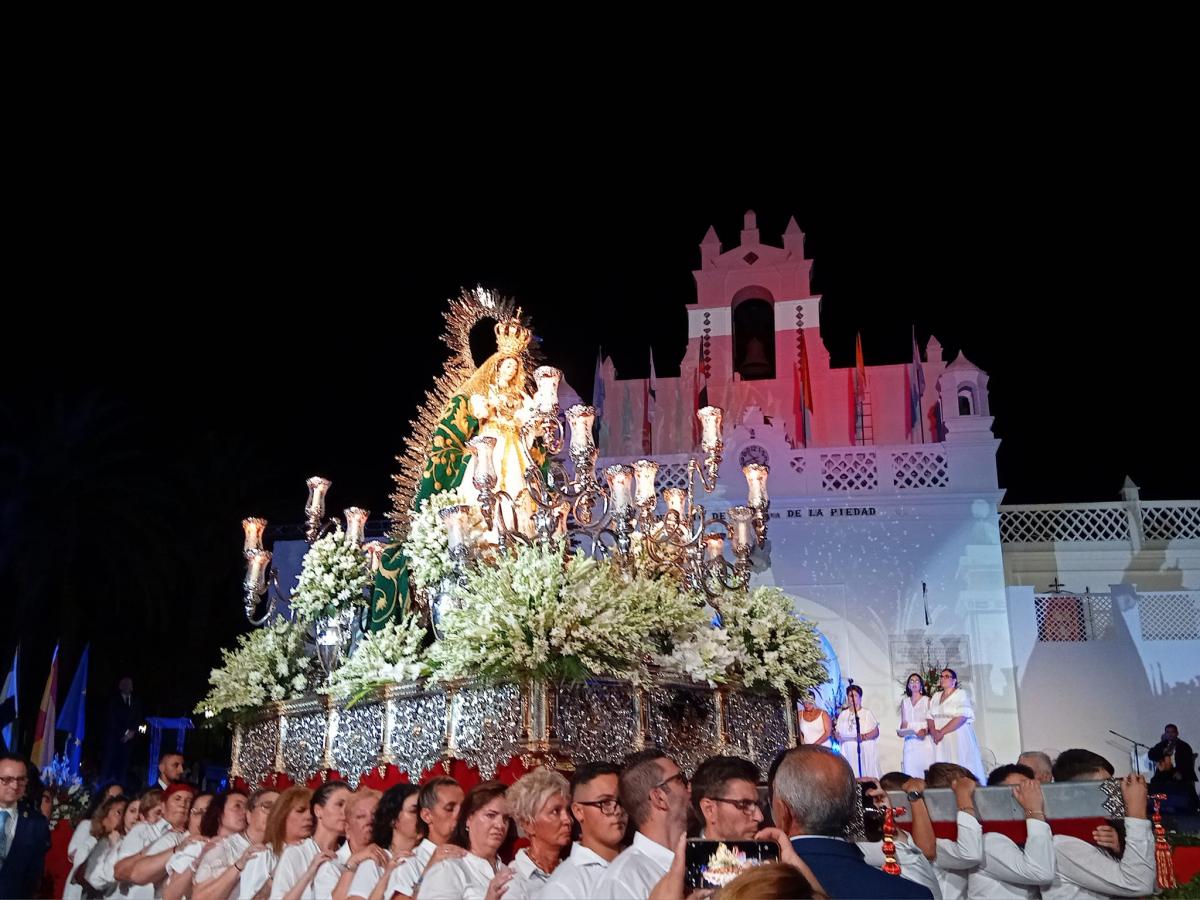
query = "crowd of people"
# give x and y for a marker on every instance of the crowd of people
(613, 830)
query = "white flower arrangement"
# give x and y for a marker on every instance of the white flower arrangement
(428, 546)
(534, 614)
(331, 579)
(773, 647)
(267, 664)
(392, 654)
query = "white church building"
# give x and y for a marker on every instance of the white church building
(888, 526)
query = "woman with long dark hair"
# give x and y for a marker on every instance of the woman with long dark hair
(914, 728)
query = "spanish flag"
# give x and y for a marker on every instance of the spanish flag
(43, 733)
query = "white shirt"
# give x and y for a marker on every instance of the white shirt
(255, 873)
(528, 880)
(98, 869)
(78, 850)
(220, 858)
(576, 876)
(167, 841)
(1086, 871)
(294, 862)
(405, 878)
(367, 876)
(955, 859)
(1010, 873)
(459, 879)
(141, 837)
(185, 857)
(635, 872)
(913, 864)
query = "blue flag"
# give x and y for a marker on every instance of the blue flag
(73, 717)
(8, 705)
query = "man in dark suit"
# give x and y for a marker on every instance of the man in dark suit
(124, 717)
(24, 833)
(814, 798)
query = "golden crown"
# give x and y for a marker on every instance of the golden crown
(512, 337)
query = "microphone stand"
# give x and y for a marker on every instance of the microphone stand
(857, 728)
(1136, 763)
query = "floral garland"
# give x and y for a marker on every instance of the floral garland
(427, 549)
(395, 653)
(773, 648)
(267, 664)
(332, 578)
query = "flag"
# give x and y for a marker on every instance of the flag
(917, 387)
(8, 705)
(803, 393)
(648, 417)
(860, 387)
(73, 717)
(43, 732)
(598, 385)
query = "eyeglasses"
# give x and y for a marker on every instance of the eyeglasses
(6, 780)
(609, 806)
(746, 807)
(683, 780)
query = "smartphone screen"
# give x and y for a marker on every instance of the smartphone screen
(713, 864)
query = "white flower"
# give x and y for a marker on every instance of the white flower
(267, 664)
(332, 577)
(394, 653)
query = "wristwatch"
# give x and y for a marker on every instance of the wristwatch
(914, 796)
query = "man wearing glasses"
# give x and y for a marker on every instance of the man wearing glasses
(24, 833)
(725, 799)
(601, 819)
(654, 791)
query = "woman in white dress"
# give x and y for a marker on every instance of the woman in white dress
(483, 825)
(540, 802)
(950, 726)
(859, 740)
(97, 871)
(105, 821)
(815, 725)
(919, 749)
(310, 869)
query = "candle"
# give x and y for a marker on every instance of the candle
(317, 488)
(257, 562)
(756, 483)
(676, 500)
(742, 518)
(644, 472)
(620, 486)
(710, 426)
(714, 547)
(580, 418)
(356, 523)
(485, 472)
(454, 520)
(253, 529)
(545, 400)
(561, 512)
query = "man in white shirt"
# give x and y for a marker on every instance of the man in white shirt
(437, 806)
(1083, 871)
(956, 858)
(654, 792)
(1010, 872)
(596, 806)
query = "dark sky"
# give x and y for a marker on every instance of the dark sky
(197, 334)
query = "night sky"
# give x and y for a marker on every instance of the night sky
(198, 340)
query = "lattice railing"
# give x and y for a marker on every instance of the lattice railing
(851, 471)
(1170, 523)
(1073, 617)
(1037, 525)
(916, 469)
(671, 475)
(1170, 615)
